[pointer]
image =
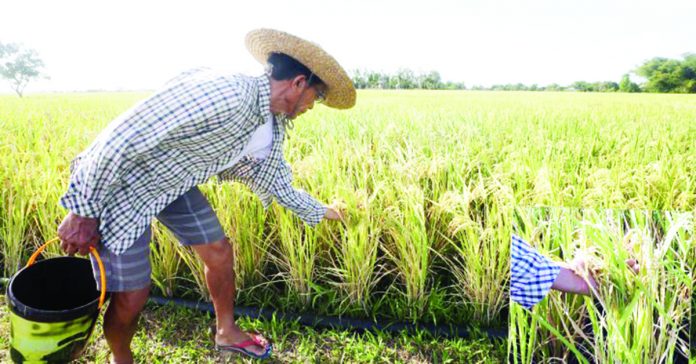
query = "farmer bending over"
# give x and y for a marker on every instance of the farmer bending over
(147, 163)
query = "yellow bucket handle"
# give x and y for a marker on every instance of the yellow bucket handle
(102, 276)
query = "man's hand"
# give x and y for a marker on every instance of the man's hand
(78, 234)
(333, 213)
(575, 277)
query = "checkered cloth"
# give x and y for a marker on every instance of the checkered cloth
(190, 218)
(532, 274)
(174, 140)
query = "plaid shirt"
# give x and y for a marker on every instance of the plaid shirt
(174, 140)
(532, 274)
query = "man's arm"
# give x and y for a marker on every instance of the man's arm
(300, 202)
(531, 273)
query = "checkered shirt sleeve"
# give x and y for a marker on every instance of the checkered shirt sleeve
(532, 274)
(298, 201)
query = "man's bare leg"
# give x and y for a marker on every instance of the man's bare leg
(218, 258)
(120, 322)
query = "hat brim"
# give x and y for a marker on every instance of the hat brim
(340, 93)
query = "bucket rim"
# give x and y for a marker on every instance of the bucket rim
(43, 315)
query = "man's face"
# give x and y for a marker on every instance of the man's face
(306, 97)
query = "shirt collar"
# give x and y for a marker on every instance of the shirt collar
(264, 84)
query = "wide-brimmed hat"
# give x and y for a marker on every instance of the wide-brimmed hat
(340, 92)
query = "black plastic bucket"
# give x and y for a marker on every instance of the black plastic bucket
(54, 305)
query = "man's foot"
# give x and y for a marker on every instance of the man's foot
(240, 341)
(124, 359)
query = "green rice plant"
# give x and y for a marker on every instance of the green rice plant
(47, 217)
(197, 271)
(295, 256)
(646, 314)
(165, 260)
(354, 264)
(533, 337)
(522, 336)
(692, 259)
(12, 232)
(408, 246)
(478, 229)
(347, 178)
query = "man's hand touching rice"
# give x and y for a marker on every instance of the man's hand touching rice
(333, 213)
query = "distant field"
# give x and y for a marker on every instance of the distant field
(429, 178)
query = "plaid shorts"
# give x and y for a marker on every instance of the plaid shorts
(190, 218)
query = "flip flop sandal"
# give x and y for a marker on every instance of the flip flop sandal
(258, 338)
(242, 348)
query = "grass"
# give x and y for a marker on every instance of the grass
(169, 334)
(634, 318)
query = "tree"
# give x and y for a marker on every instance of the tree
(627, 86)
(19, 65)
(384, 81)
(605, 86)
(404, 79)
(431, 81)
(582, 86)
(663, 74)
(454, 85)
(359, 79)
(688, 73)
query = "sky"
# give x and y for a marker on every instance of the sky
(140, 44)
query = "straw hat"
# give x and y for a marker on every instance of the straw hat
(340, 92)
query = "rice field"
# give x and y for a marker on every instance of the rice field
(430, 181)
(633, 317)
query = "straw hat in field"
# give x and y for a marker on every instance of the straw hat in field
(340, 92)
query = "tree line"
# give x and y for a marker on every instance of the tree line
(403, 79)
(662, 75)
